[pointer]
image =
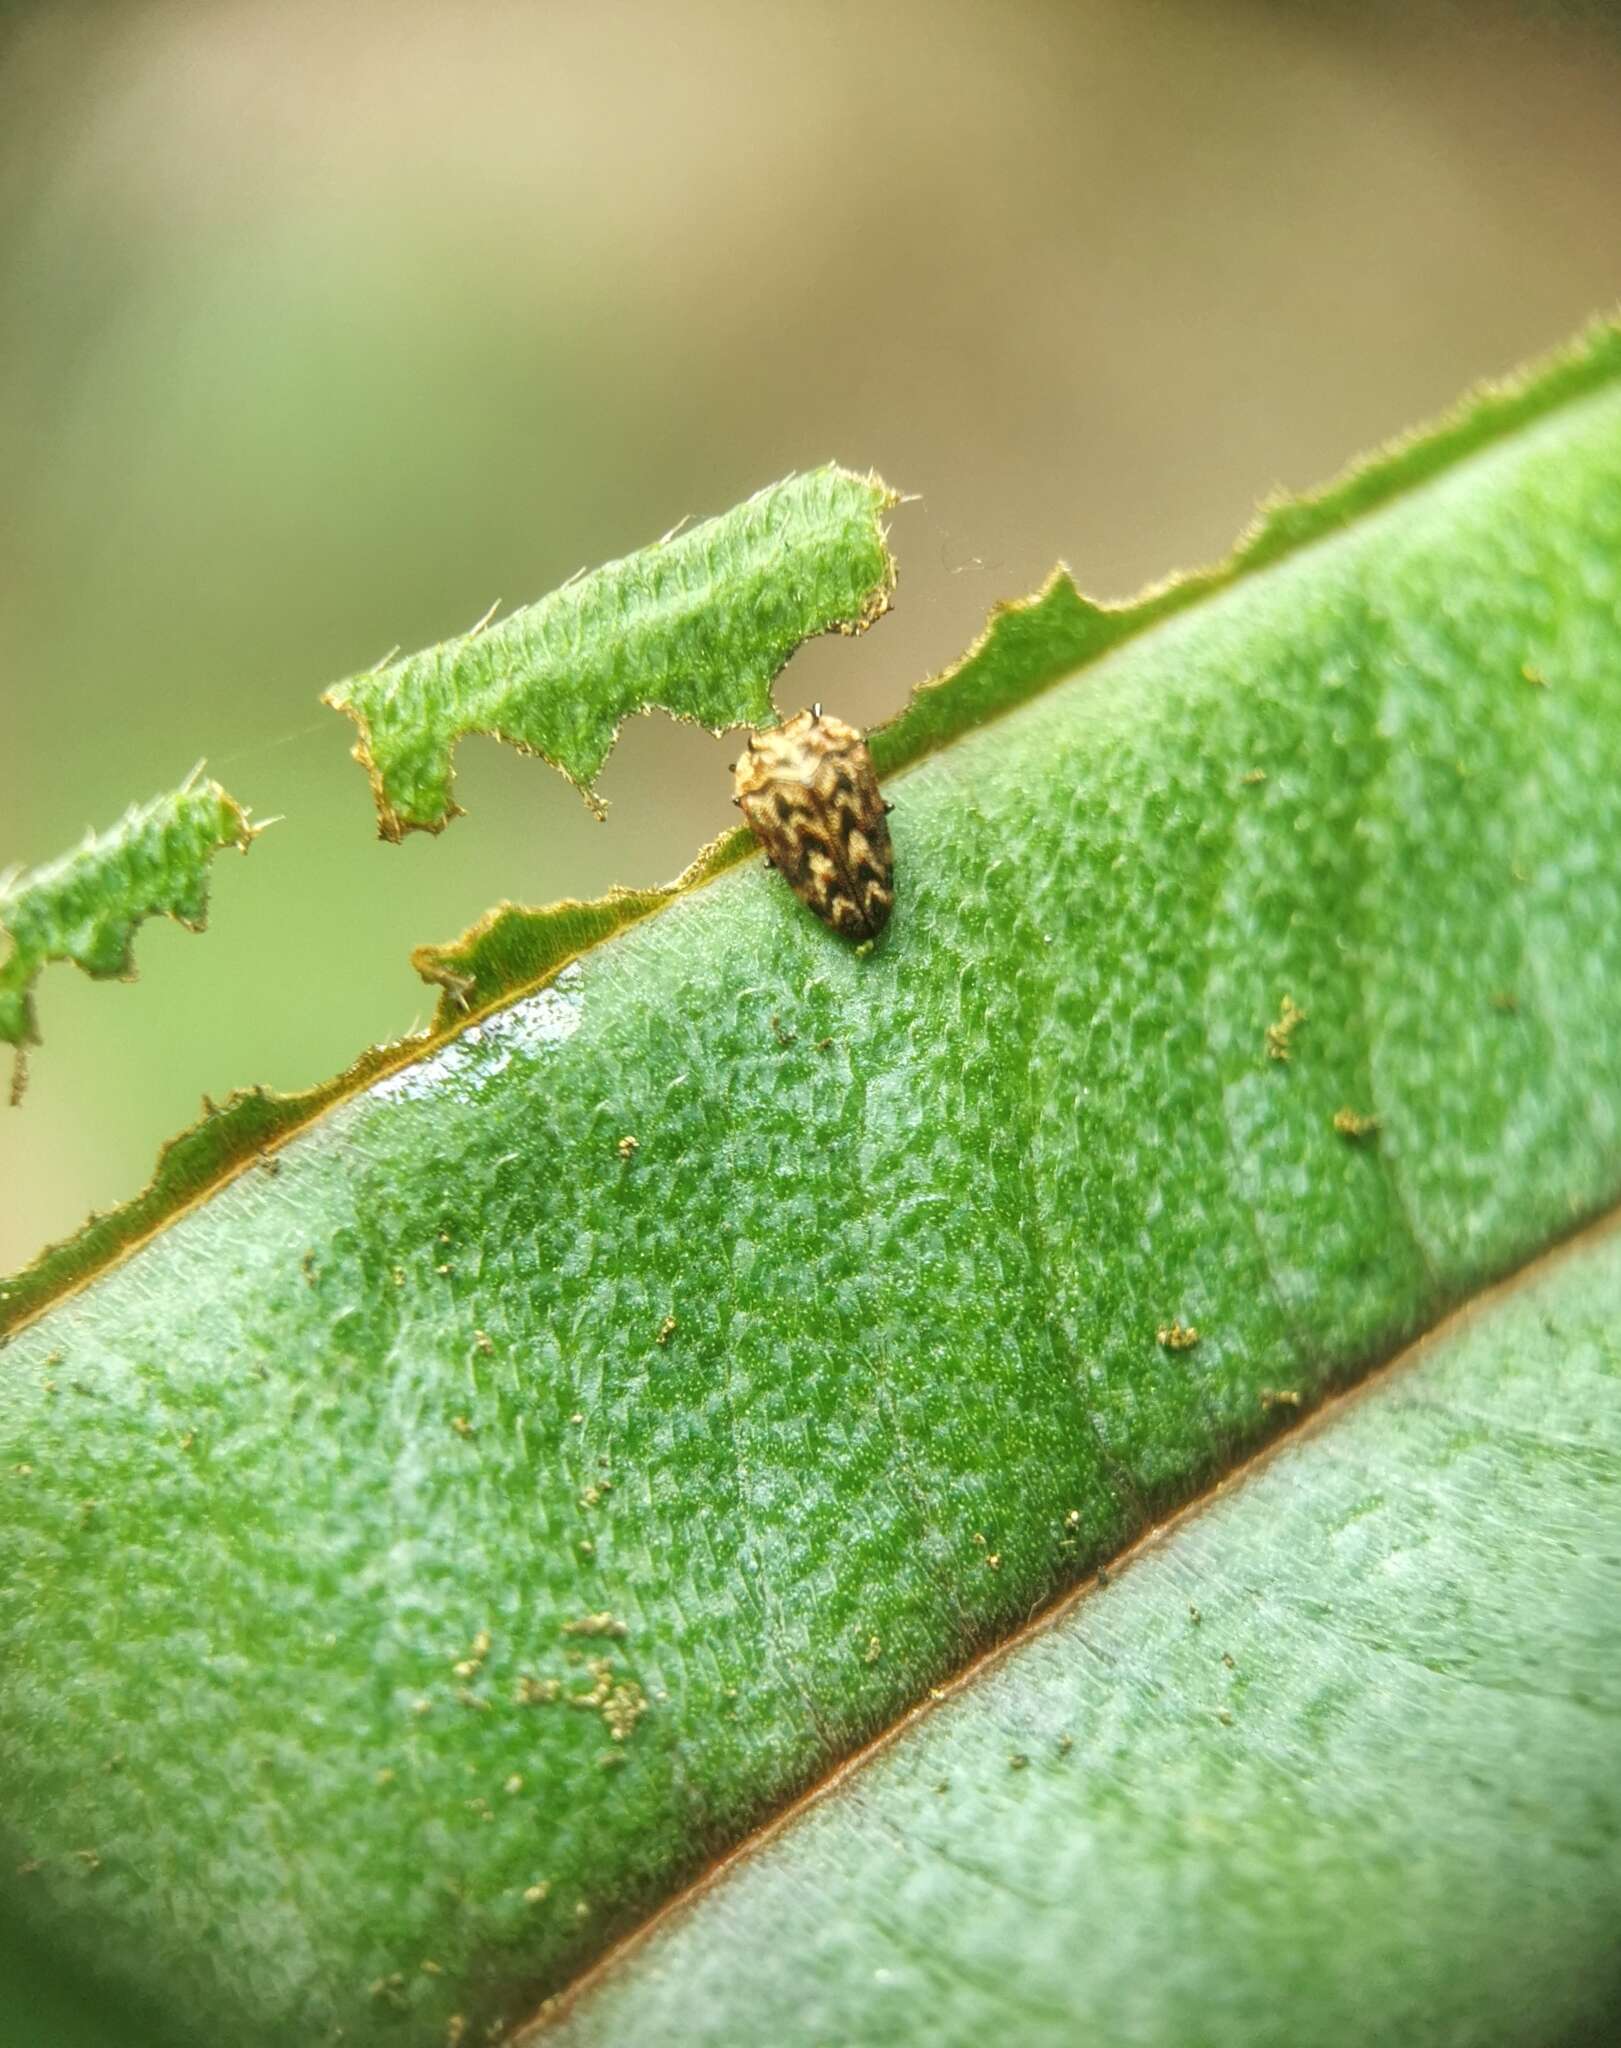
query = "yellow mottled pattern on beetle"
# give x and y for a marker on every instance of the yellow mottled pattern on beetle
(810, 794)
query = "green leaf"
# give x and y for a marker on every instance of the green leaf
(86, 906)
(1335, 1759)
(341, 1486)
(698, 625)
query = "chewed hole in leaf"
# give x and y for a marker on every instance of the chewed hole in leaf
(698, 625)
(86, 906)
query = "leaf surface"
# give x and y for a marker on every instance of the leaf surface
(481, 1520)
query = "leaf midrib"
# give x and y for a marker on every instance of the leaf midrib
(1583, 1235)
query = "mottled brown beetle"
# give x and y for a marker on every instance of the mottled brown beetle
(810, 794)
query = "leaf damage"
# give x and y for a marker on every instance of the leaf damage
(1028, 645)
(698, 625)
(86, 906)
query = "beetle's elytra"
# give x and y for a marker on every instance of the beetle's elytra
(810, 794)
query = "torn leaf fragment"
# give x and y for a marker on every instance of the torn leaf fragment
(698, 625)
(85, 907)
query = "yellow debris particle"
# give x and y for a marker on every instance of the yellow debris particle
(1280, 1034)
(535, 1894)
(469, 1698)
(1073, 1519)
(389, 1989)
(628, 1147)
(993, 1561)
(467, 1668)
(1018, 1761)
(513, 1786)
(538, 1692)
(399, 1276)
(610, 1759)
(481, 1339)
(873, 1651)
(455, 2030)
(1351, 1123)
(1280, 1397)
(430, 1968)
(422, 1707)
(1176, 1336)
(23, 1471)
(667, 1330)
(481, 1644)
(1252, 776)
(1533, 675)
(586, 1547)
(386, 1775)
(603, 1624)
(620, 1702)
(461, 1425)
(591, 1497)
(582, 1911)
(441, 1269)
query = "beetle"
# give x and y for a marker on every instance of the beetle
(810, 795)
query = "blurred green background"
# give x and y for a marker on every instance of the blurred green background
(323, 326)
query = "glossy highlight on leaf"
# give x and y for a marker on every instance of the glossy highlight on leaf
(86, 906)
(698, 625)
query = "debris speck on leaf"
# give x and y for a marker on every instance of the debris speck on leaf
(603, 1624)
(1353, 1124)
(1279, 1036)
